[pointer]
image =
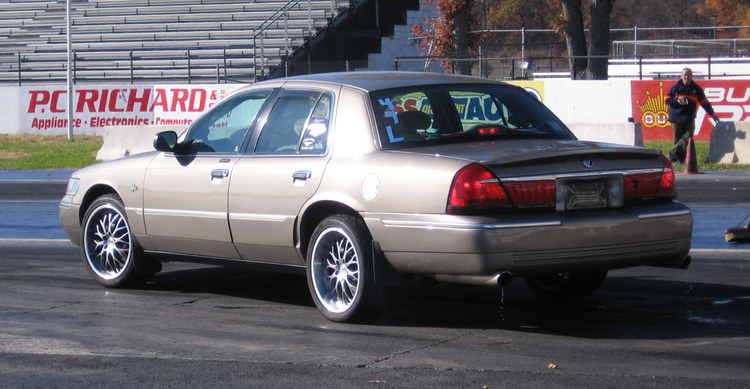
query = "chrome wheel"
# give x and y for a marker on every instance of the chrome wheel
(341, 271)
(107, 242)
(335, 270)
(111, 253)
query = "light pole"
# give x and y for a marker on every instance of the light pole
(69, 77)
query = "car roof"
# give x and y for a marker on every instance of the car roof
(378, 80)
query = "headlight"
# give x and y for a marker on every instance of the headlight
(72, 188)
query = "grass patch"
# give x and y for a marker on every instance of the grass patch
(701, 152)
(36, 152)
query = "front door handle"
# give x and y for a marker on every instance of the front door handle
(219, 173)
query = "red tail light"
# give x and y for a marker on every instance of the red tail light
(532, 193)
(641, 186)
(668, 182)
(654, 185)
(475, 187)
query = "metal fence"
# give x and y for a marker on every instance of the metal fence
(637, 52)
(636, 67)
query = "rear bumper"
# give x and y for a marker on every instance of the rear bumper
(532, 243)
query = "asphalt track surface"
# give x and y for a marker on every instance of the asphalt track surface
(197, 326)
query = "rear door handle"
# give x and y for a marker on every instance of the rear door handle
(302, 175)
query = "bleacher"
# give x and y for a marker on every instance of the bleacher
(156, 40)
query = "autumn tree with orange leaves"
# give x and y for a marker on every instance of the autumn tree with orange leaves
(449, 35)
(727, 13)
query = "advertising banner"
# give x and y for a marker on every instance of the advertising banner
(729, 98)
(43, 109)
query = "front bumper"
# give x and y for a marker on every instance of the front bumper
(69, 220)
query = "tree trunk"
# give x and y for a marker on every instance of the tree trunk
(461, 40)
(600, 39)
(575, 38)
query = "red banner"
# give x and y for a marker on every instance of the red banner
(729, 98)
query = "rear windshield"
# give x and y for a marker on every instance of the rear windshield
(425, 115)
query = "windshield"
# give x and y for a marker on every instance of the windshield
(425, 115)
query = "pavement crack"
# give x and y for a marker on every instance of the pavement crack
(188, 302)
(415, 349)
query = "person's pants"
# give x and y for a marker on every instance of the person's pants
(682, 132)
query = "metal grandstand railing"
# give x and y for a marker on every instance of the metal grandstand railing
(155, 40)
(262, 62)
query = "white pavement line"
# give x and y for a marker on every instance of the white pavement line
(722, 251)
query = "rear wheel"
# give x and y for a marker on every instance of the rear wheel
(112, 255)
(565, 286)
(340, 271)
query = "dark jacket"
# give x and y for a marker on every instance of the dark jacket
(684, 113)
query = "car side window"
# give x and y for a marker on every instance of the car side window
(408, 116)
(298, 123)
(315, 136)
(223, 128)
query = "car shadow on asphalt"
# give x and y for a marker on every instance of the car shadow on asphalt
(235, 282)
(626, 307)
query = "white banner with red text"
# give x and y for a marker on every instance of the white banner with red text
(43, 109)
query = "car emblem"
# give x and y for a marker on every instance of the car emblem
(587, 162)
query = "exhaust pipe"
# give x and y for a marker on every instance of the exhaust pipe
(675, 263)
(504, 278)
(499, 279)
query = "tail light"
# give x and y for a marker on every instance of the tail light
(668, 182)
(653, 185)
(476, 188)
(532, 193)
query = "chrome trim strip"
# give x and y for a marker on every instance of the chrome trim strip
(465, 226)
(550, 177)
(184, 213)
(257, 217)
(656, 215)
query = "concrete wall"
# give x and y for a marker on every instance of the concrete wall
(730, 143)
(9, 109)
(582, 101)
(620, 133)
(121, 141)
(404, 44)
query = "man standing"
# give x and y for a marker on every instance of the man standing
(683, 99)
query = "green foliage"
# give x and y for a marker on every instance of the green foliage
(701, 152)
(21, 152)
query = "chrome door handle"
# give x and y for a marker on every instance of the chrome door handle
(219, 173)
(303, 175)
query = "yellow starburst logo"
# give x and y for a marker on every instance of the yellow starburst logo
(654, 110)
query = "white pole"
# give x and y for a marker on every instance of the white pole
(69, 22)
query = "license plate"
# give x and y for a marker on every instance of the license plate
(585, 194)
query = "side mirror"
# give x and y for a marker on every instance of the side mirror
(165, 141)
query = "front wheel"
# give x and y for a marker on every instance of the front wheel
(112, 255)
(565, 286)
(340, 271)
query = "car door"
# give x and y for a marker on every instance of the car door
(185, 194)
(270, 186)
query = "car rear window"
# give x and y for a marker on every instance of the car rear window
(425, 115)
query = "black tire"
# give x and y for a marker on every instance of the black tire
(565, 286)
(340, 273)
(111, 253)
